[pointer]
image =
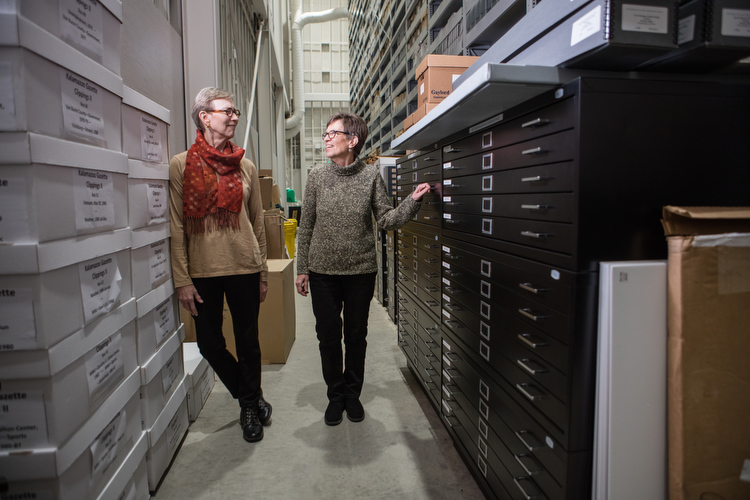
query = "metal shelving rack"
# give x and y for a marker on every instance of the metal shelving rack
(389, 38)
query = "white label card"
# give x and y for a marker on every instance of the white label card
(94, 193)
(164, 323)
(82, 105)
(170, 372)
(7, 97)
(206, 384)
(735, 22)
(686, 30)
(104, 365)
(14, 214)
(23, 420)
(174, 431)
(81, 25)
(645, 18)
(17, 326)
(157, 202)
(100, 285)
(589, 24)
(150, 139)
(106, 445)
(158, 261)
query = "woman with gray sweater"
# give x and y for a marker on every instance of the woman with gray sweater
(336, 258)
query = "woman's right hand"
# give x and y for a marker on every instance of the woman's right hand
(188, 295)
(302, 282)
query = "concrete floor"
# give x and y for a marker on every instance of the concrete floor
(401, 450)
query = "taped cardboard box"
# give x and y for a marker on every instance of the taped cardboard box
(709, 349)
(275, 245)
(266, 192)
(435, 76)
(277, 320)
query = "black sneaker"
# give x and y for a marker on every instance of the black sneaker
(264, 411)
(252, 430)
(354, 410)
(334, 413)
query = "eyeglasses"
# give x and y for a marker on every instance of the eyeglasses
(332, 134)
(229, 112)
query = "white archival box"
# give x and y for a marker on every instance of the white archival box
(68, 385)
(139, 112)
(131, 479)
(166, 435)
(158, 318)
(69, 471)
(56, 292)
(160, 377)
(201, 378)
(107, 22)
(47, 101)
(150, 260)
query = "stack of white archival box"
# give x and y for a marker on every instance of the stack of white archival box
(201, 379)
(70, 409)
(164, 414)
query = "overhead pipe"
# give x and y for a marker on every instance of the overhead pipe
(294, 122)
(251, 102)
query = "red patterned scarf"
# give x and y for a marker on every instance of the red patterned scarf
(209, 204)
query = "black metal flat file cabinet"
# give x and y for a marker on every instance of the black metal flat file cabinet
(497, 289)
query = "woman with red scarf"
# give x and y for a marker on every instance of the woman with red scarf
(219, 249)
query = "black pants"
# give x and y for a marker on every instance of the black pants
(242, 375)
(332, 294)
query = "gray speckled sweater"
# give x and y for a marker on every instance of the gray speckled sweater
(336, 233)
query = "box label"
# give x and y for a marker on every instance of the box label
(93, 193)
(81, 25)
(17, 326)
(174, 431)
(170, 372)
(158, 261)
(150, 139)
(157, 202)
(686, 30)
(107, 444)
(82, 106)
(100, 286)
(104, 365)
(7, 99)
(14, 215)
(23, 420)
(589, 24)
(735, 22)
(206, 384)
(164, 320)
(645, 18)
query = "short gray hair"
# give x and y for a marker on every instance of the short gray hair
(203, 102)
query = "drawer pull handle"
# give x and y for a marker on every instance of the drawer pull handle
(431, 303)
(539, 236)
(401, 245)
(430, 158)
(430, 245)
(532, 151)
(452, 203)
(531, 443)
(535, 207)
(535, 123)
(452, 308)
(451, 290)
(403, 301)
(450, 322)
(428, 342)
(432, 203)
(452, 356)
(451, 149)
(430, 173)
(536, 178)
(402, 279)
(536, 494)
(431, 289)
(432, 275)
(532, 371)
(533, 468)
(531, 397)
(429, 217)
(527, 312)
(453, 221)
(452, 274)
(403, 267)
(402, 257)
(428, 356)
(530, 288)
(452, 168)
(452, 257)
(430, 261)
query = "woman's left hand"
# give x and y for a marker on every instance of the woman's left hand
(420, 191)
(263, 290)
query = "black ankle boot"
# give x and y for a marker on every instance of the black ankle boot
(252, 430)
(264, 411)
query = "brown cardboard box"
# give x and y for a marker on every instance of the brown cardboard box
(276, 322)
(275, 196)
(435, 76)
(275, 245)
(408, 121)
(709, 352)
(266, 190)
(422, 111)
(265, 172)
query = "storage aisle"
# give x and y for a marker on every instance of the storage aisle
(401, 449)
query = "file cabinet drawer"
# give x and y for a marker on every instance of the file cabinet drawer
(556, 177)
(554, 207)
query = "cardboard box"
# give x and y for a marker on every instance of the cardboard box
(165, 436)
(275, 196)
(160, 377)
(275, 245)
(423, 110)
(266, 190)
(408, 121)
(435, 76)
(277, 322)
(708, 349)
(265, 172)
